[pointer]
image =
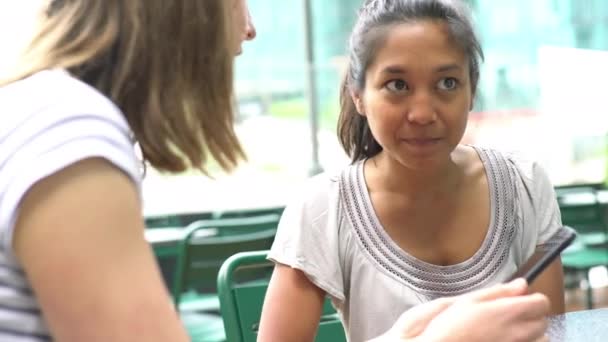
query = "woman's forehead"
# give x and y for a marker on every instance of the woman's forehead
(427, 43)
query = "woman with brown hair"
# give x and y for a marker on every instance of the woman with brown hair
(99, 76)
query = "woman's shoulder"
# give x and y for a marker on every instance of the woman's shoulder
(524, 165)
(56, 96)
(527, 175)
(319, 193)
(53, 120)
(326, 181)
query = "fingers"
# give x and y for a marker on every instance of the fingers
(526, 307)
(536, 305)
(415, 320)
(516, 287)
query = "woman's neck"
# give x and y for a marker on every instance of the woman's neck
(386, 174)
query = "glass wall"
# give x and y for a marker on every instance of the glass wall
(539, 89)
(535, 52)
(541, 93)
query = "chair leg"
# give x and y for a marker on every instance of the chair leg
(589, 290)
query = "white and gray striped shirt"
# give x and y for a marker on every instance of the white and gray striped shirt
(48, 121)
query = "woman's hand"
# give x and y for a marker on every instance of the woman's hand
(500, 313)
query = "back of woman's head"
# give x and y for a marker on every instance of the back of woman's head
(375, 19)
(167, 64)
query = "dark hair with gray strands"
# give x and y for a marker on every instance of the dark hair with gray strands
(375, 19)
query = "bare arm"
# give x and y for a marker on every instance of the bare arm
(292, 307)
(79, 237)
(551, 283)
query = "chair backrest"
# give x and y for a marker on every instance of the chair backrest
(162, 221)
(581, 209)
(207, 244)
(176, 220)
(182, 220)
(248, 212)
(241, 302)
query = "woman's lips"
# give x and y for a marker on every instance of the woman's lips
(421, 141)
(421, 146)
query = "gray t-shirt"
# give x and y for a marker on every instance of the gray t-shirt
(332, 234)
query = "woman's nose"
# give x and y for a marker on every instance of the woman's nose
(250, 31)
(422, 111)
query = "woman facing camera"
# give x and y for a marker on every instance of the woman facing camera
(418, 215)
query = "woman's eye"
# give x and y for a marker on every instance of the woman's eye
(396, 85)
(448, 83)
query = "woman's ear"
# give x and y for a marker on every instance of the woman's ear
(358, 101)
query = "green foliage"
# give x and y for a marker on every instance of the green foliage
(289, 109)
(298, 109)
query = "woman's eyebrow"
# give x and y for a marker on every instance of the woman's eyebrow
(448, 67)
(396, 69)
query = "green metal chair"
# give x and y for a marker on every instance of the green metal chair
(241, 301)
(200, 257)
(152, 222)
(248, 212)
(581, 209)
(176, 220)
(182, 220)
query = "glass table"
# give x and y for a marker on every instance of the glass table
(587, 326)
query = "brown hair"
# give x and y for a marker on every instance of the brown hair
(375, 19)
(168, 65)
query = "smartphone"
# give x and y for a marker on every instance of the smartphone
(545, 254)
